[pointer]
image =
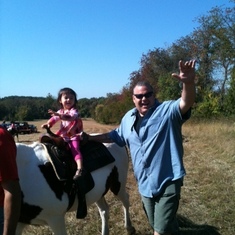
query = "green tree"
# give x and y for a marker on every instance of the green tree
(209, 107)
(99, 113)
(3, 112)
(23, 113)
(217, 34)
(230, 96)
(169, 88)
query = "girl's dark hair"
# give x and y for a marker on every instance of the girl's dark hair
(66, 90)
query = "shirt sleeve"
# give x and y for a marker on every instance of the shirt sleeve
(8, 167)
(114, 136)
(71, 115)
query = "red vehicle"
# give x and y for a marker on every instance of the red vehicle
(23, 128)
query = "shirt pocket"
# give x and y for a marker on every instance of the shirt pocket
(156, 124)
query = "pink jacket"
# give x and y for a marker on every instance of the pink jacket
(71, 123)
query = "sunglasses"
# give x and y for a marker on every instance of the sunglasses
(140, 96)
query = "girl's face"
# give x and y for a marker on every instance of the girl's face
(67, 101)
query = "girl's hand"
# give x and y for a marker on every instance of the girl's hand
(45, 126)
(53, 113)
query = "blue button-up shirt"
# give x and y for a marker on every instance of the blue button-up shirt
(157, 152)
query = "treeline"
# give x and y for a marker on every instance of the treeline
(24, 108)
(212, 44)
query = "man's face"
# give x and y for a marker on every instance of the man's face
(143, 103)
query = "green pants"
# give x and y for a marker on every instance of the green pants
(161, 210)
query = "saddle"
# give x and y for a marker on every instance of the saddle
(95, 155)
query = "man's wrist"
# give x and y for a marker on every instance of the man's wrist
(189, 83)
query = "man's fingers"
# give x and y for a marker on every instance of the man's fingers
(175, 75)
(189, 64)
(193, 63)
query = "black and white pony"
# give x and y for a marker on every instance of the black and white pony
(45, 199)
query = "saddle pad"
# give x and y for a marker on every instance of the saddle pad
(95, 155)
(62, 162)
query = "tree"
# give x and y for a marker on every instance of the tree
(156, 68)
(230, 97)
(23, 113)
(217, 32)
(3, 112)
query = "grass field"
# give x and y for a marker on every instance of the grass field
(207, 204)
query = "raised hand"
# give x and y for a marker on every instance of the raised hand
(187, 72)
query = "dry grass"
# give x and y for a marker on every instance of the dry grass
(207, 200)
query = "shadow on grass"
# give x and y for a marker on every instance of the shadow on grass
(187, 227)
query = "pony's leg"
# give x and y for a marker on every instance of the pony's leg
(103, 208)
(19, 229)
(123, 196)
(57, 224)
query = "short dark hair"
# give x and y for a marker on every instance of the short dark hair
(67, 90)
(144, 83)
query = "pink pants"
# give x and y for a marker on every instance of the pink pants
(74, 145)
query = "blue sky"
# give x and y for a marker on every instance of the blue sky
(91, 46)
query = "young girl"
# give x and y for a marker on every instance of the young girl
(71, 124)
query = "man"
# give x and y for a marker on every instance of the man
(152, 131)
(4, 124)
(10, 193)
